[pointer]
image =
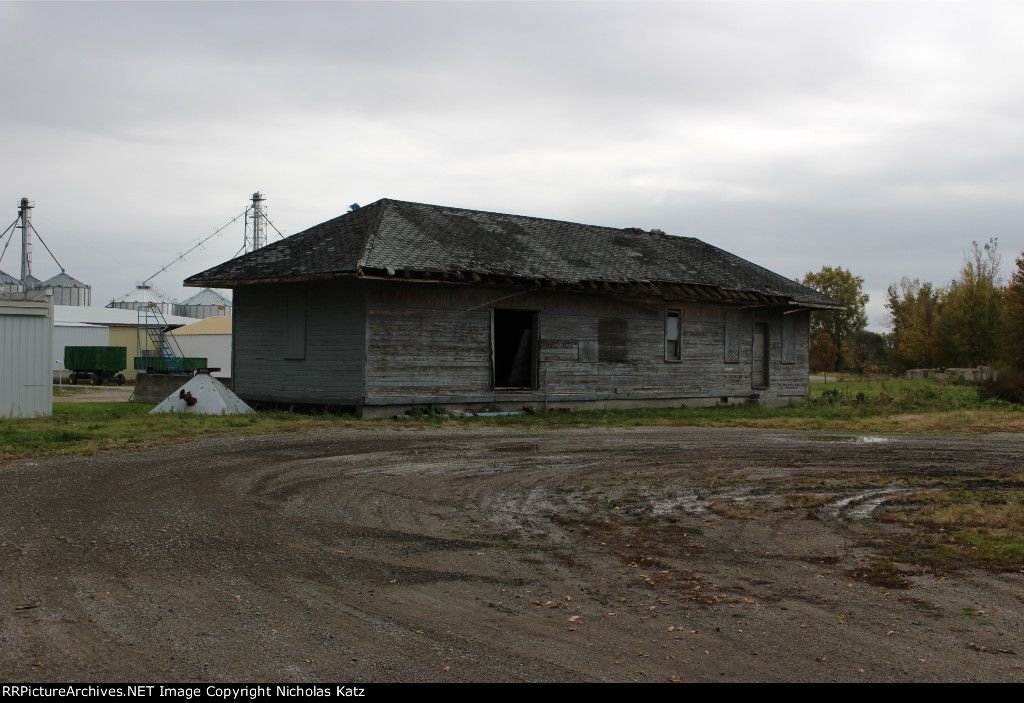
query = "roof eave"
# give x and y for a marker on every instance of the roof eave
(668, 290)
(235, 283)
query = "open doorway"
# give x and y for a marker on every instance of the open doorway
(514, 349)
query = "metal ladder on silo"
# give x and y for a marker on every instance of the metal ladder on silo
(152, 323)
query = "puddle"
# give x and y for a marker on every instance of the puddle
(859, 506)
(557, 445)
(517, 447)
(848, 438)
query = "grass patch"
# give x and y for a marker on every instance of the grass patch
(861, 407)
(82, 428)
(979, 526)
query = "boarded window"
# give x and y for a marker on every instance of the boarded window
(295, 327)
(673, 336)
(588, 350)
(732, 338)
(611, 338)
(788, 340)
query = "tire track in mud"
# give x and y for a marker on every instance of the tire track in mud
(476, 555)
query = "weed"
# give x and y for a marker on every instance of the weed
(716, 480)
(732, 510)
(880, 571)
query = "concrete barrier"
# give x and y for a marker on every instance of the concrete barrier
(975, 374)
(153, 388)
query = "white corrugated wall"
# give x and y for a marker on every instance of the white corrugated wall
(215, 347)
(26, 370)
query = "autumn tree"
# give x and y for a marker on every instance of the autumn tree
(823, 353)
(969, 325)
(1014, 317)
(839, 284)
(913, 308)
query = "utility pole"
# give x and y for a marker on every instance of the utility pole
(24, 215)
(256, 224)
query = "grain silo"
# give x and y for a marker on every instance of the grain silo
(9, 284)
(30, 282)
(206, 303)
(144, 296)
(68, 290)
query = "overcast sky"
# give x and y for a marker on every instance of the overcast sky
(882, 137)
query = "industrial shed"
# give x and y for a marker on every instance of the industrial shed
(399, 304)
(26, 342)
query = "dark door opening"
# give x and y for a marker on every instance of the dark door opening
(759, 357)
(514, 348)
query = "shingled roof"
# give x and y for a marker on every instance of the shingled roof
(414, 241)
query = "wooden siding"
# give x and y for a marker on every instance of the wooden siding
(426, 341)
(431, 343)
(393, 343)
(331, 371)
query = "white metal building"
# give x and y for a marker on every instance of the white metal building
(26, 345)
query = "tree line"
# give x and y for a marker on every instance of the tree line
(975, 320)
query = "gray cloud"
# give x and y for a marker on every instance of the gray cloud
(883, 137)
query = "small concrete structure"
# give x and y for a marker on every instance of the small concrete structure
(980, 373)
(203, 395)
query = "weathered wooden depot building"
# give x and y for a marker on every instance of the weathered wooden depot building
(401, 304)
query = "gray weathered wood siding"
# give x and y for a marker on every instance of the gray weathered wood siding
(432, 343)
(326, 330)
(424, 341)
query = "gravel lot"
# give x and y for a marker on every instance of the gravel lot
(487, 555)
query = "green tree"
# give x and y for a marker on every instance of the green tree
(866, 352)
(1014, 317)
(913, 307)
(841, 285)
(969, 325)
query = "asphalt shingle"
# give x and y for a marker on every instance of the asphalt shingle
(393, 235)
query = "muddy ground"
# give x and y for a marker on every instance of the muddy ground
(487, 555)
